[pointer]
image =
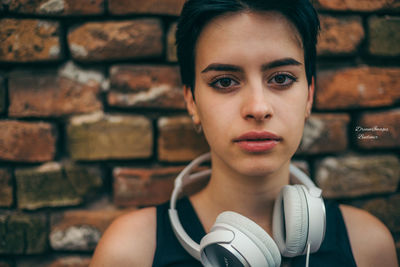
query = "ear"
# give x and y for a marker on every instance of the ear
(191, 104)
(310, 98)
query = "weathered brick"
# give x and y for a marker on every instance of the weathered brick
(79, 230)
(354, 176)
(380, 129)
(165, 7)
(387, 209)
(52, 185)
(69, 91)
(357, 87)
(324, 133)
(340, 35)
(178, 141)
(171, 46)
(146, 86)
(27, 141)
(384, 35)
(143, 187)
(56, 7)
(2, 95)
(28, 40)
(97, 41)
(101, 136)
(359, 5)
(23, 234)
(6, 188)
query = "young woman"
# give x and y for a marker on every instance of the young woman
(248, 69)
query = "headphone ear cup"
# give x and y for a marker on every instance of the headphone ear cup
(290, 220)
(255, 233)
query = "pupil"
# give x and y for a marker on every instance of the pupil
(225, 82)
(280, 78)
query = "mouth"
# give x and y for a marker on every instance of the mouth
(257, 141)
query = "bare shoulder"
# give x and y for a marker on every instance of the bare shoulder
(371, 242)
(129, 241)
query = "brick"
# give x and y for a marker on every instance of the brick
(165, 7)
(358, 5)
(2, 95)
(55, 261)
(56, 7)
(146, 86)
(53, 185)
(54, 94)
(357, 87)
(79, 230)
(379, 129)
(143, 187)
(27, 141)
(325, 133)
(138, 187)
(6, 188)
(101, 136)
(171, 46)
(387, 209)
(178, 141)
(355, 176)
(340, 35)
(384, 36)
(23, 234)
(120, 40)
(29, 40)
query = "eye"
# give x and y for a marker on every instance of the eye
(224, 83)
(282, 80)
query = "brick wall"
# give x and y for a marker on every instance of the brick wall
(92, 118)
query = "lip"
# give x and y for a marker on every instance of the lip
(255, 141)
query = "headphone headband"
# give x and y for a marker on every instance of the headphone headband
(185, 177)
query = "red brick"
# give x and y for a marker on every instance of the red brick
(27, 141)
(79, 230)
(6, 188)
(164, 7)
(102, 136)
(357, 87)
(56, 7)
(152, 186)
(378, 129)
(143, 187)
(28, 40)
(52, 94)
(97, 41)
(146, 86)
(178, 141)
(384, 35)
(340, 35)
(325, 133)
(359, 5)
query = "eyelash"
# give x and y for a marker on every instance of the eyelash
(292, 79)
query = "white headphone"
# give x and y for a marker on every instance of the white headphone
(234, 240)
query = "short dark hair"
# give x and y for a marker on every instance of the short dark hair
(196, 14)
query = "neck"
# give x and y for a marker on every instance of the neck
(252, 197)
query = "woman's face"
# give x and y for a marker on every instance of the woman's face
(251, 91)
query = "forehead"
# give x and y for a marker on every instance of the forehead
(249, 35)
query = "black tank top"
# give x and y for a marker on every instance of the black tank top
(334, 251)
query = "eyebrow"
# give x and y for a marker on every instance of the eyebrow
(264, 67)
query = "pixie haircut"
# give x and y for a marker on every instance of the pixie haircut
(196, 14)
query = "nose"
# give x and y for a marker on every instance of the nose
(256, 104)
